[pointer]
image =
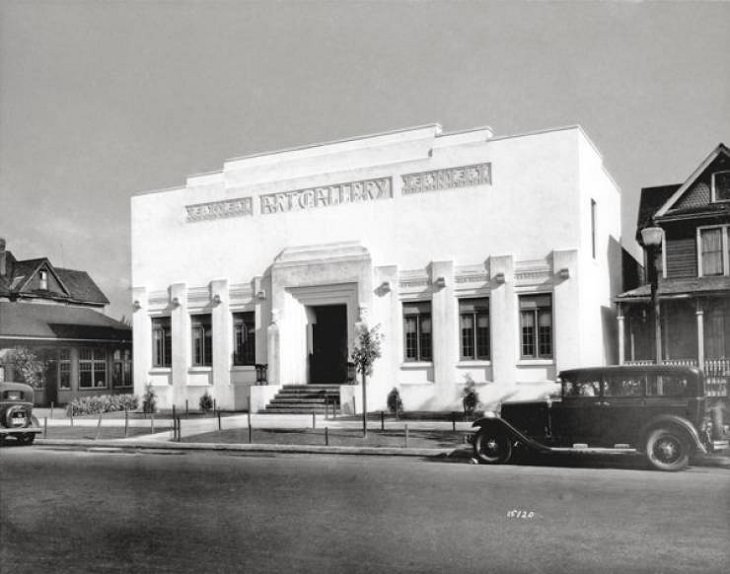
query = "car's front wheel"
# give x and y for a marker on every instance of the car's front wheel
(26, 438)
(492, 447)
(667, 449)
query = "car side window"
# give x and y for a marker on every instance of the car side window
(666, 386)
(589, 387)
(623, 386)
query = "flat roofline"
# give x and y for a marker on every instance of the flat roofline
(159, 190)
(435, 126)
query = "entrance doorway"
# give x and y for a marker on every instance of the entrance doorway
(328, 348)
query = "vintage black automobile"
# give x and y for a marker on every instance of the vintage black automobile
(16, 413)
(660, 411)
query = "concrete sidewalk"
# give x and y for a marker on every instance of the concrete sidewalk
(199, 425)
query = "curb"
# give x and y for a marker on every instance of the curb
(280, 448)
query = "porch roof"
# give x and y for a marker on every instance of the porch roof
(47, 321)
(679, 289)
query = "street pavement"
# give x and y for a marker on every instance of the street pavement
(165, 510)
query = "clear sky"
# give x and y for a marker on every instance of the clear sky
(102, 99)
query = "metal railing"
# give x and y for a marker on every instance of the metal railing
(717, 372)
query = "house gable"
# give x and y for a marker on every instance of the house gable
(38, 276)
(696, 193)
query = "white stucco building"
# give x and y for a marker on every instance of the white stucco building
(483, 258)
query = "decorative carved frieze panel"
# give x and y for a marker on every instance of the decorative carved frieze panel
(533, 273)
(158, 300)
(241, 294)
(198, 296)
(450, 178)
(219, 209)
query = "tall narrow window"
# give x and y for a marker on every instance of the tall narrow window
(161, 342)
(536, 323)
(474, 321)
(721, 186)
(593, 227)
(122, 368)
(244, 339)
(417, 329)
(202, 335)
(64, 369)
(711, 251)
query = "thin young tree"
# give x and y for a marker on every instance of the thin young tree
(366, 350)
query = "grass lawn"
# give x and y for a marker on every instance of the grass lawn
(336, 437)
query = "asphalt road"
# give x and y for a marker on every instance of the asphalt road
(79, 511)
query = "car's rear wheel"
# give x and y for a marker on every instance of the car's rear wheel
(667, 449)
(492, 447)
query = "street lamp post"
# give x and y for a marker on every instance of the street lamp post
(652, 237)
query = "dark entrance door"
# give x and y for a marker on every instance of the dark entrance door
(51, 360)
(328, 360)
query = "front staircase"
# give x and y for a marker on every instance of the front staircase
(304, 399)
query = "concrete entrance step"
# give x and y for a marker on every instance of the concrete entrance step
(299, 399)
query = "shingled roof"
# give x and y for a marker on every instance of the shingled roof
(674, 288)
(21, 321)
(652, 198)
(75, 286)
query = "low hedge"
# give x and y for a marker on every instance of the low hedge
(101, 404)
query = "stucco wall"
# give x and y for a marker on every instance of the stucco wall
(525, 231)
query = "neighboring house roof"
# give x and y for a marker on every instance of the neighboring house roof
(20, 320)
(720, 153)
(652, 198)
(82, 286)
(73, 286)
(678, 288)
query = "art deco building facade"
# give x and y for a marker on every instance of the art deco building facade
(482, 258)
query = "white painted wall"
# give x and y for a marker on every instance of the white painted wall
(534, 216)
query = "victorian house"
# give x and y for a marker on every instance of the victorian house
(58, 315)
(692, 283)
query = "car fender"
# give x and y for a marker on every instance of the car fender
(686, 426)
(500, 425)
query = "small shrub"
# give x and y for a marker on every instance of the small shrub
(101, 404)
(395, 404)
(470, 397)
(206, 402)
(27, 366)
(149, 401)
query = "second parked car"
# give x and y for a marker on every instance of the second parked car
(660, 411)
